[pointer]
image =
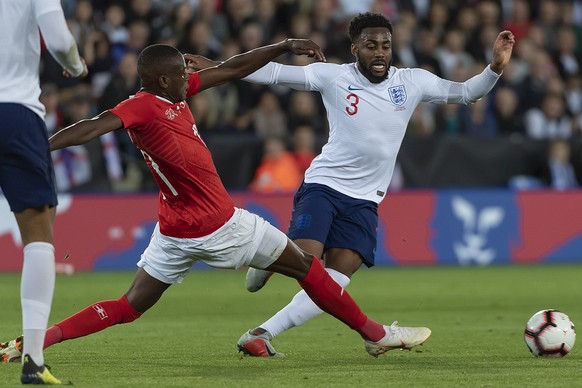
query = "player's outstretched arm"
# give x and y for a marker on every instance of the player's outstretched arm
(85, 130)
(244, 64)
(502, 49)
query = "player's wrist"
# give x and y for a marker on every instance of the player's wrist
(496, 68)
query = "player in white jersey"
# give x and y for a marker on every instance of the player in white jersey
(26, 172)
(369, 104)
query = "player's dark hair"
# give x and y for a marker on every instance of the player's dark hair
(366, 20)
(154, 57)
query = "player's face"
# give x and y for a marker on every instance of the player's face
(178, 84)
(373, 51)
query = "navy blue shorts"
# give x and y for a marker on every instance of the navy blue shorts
(335, 220)
(26, 168)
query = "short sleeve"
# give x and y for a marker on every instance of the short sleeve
(193, 84)
(133, 113)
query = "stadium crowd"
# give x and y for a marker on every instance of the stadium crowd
(539, 95)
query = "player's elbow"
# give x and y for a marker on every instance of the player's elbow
(60, 45)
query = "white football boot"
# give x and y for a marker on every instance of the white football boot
(398, 338)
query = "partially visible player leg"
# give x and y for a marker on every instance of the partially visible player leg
(36, 291)
(341, 263)
(257, 342)
(27, 180)
(300, 310)
(333, 299)
(142, 294)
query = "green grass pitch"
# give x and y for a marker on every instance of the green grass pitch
(188, 339)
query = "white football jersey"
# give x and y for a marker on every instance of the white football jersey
(367, 121)
(20, 48)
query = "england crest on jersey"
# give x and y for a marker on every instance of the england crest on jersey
(397, 94)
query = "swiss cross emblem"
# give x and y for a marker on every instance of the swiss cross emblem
(397, 94)
(170, 114)
(100, 311)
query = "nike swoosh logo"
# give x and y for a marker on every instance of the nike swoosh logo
(350, 87)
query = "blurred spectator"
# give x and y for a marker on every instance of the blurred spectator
(567, 60)
(207, 12)
(179, 21)
(82, 23)
(481, 48)
(489, 12)
(422, 122)
(468, 22)
(449, 120)
(519, 21)
(573, 93)
(251, 36)
(124, 83)
(549, 20)
(114, 25)
(268, 119)
(102, 153)
(452, 53)
(238, 13)
(305, 109)
(426, 47)
(403, 51)
(278, 171)
(478, 121)
(538, 37)
(144, 11)
(437, 18)
(304, 146)
(560, 173)
(203, 110)
(99, 59)
(533, 89)
(550, 120)
(199, 40)
(300, 26)
(266, 10)
(139, 38)
(443, 36)
(505, 110)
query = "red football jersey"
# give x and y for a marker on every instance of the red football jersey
(193, 201)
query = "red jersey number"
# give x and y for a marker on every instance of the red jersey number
(354, 100)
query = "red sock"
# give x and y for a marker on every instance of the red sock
(331, 297)
(372, 331)
(92, 319)
(53, 335)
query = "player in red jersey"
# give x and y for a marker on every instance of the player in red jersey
(196, 217)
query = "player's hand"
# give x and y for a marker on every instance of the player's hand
(83, 74)
(305, 47)
(502, 49)
(198, 62)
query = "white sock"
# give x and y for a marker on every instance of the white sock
(36, 294)
(301, 308)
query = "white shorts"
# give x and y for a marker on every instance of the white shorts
(244, 240)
